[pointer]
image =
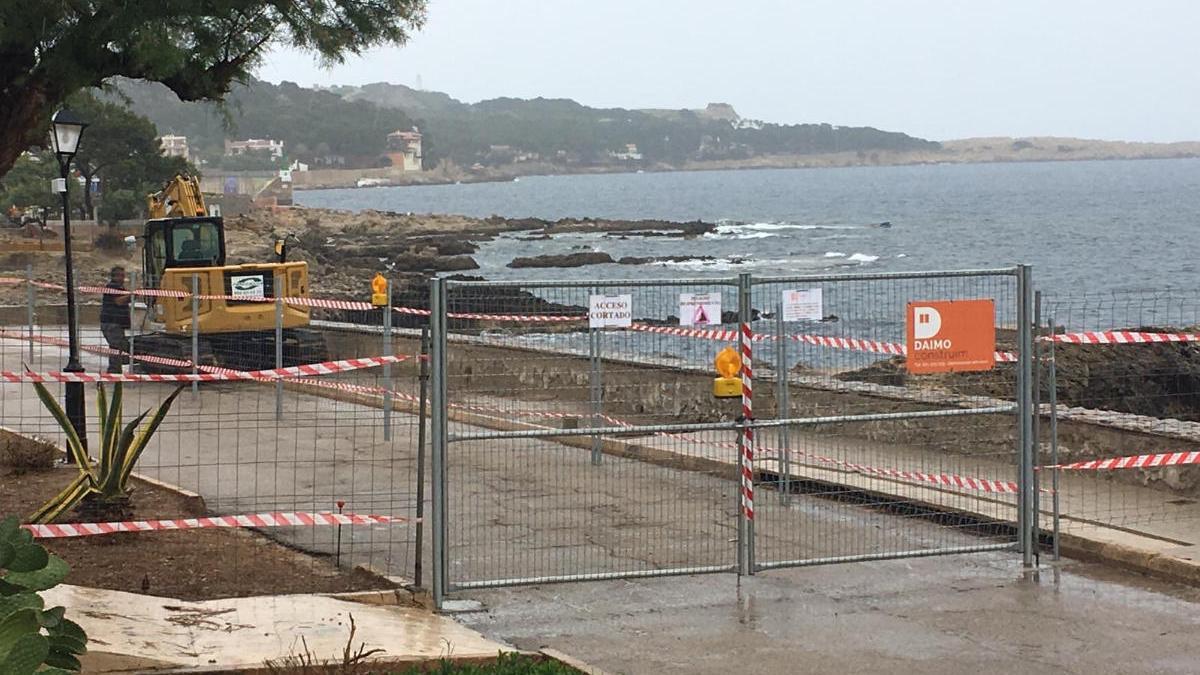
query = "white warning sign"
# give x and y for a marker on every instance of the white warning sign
(802, 305)
(699, 309)
(610, 311)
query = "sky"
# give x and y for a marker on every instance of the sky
(1116, 70)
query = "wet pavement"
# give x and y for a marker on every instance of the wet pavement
(970, 613)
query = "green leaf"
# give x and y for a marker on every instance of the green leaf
(29, 652)
(71, 630)
(11, 604)
(64, 660)
(48, 577)
(15, 626)
(74, 447)
(143, 438)
(71, 495)
(28, 558)
(52, 617)
(67, 644)
(9, 526)
(7, 551)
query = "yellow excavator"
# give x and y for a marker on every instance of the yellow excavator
(184, 250)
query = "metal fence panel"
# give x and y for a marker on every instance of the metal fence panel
(521, 361)
(935, 473)
(1121, 375)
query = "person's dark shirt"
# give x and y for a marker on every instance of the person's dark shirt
(110, 311)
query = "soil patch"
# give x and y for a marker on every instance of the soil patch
(187, 565)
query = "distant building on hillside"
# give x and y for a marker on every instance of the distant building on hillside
(174, 146)
(275, 148)
(404, 149)
(630, 153)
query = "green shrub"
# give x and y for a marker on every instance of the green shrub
(33, 639)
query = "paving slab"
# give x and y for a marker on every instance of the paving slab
(246, 632)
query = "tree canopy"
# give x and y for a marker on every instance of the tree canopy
(122, 150)
(51, 49)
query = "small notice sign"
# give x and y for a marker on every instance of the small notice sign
(802, 305)
(699, 309)
(951, 336)
(610, 311)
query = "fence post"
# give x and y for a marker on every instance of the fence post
(133, 287)
(746, 435)
(783, 404)
(387, 367)
(278, 353)
(422, 418)
(1026, 497)
(195, 330)
(30, 299)
(1035, 506)
(437, 363)
(1053, 385)
(596, 388)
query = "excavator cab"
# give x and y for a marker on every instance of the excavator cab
(183, 242)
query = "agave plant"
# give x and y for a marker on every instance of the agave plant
(120, 447)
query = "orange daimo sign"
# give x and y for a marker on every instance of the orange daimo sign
(951, 336)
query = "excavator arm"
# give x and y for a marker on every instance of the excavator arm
(179, 198)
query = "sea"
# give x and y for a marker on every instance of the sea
(1083, 226)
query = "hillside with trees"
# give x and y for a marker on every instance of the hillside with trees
(346, 126)
(317, 127)
(563, 131)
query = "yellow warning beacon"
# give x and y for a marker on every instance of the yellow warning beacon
(379, 287)
(729, 365)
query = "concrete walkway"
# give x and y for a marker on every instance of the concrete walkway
(960, 614)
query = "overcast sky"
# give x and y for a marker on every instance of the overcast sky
(937, 69)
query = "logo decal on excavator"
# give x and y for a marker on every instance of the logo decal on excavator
(247, 286)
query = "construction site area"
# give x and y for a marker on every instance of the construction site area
(447, 440)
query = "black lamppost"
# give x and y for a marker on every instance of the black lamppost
(67, 129)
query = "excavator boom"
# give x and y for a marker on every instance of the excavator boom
(179, 198)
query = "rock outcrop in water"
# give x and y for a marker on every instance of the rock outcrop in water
(563, 260)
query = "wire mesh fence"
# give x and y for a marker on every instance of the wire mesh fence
(1122, 371)
(630, 362)
(931, 474)
(315, 442)
(580, 437)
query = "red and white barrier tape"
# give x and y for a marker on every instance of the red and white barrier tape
(1132, 462)
(211, 373)
(852, 344)
(1120, 337)
(258, 520)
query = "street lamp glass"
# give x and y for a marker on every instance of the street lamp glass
(67, 130)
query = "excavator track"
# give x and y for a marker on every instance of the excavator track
(246, 350)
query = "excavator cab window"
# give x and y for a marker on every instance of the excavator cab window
(196, 244)
(184, 242)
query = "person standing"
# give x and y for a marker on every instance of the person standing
(114, 318)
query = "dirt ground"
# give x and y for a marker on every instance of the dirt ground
(192, 565)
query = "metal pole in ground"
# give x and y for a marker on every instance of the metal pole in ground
(387, 367)
(422, 418)
(1054, 441)
(596, 390)
(133, 286)
(1024, 413)
(1036, 452)
(782, 402)
(437, 365)
(195, 330)
(278, 352)
(746, 437)
(30, 299)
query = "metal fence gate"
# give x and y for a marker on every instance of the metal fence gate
(573, 449)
